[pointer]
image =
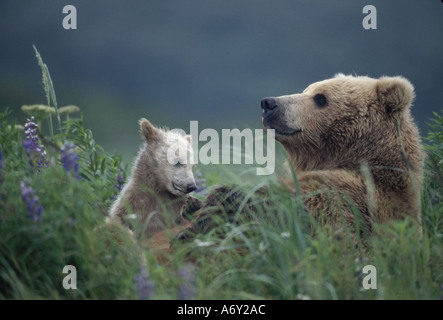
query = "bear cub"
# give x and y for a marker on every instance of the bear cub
(157, 192)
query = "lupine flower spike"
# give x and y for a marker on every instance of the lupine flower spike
(69, 158)
(119, 184)
(31, 146)
(187, 289)
(143, 284)
(34, 208)
(120, 181)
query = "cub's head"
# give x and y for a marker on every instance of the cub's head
(340, 118)
(169, 155)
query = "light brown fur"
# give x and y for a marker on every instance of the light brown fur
(363, 144)
(156, 193)
(353, 144)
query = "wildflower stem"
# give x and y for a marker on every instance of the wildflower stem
(49, 91)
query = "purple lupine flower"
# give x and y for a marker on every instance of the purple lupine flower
(143, 284)
(31, 133)
(201, 183)
(69, 158)
(188, 286)
(120, 181)
(31, 146)
(119, 184)
(34, 208)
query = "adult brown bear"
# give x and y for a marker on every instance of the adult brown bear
(352, 141)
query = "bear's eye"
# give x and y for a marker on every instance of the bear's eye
(320, 100)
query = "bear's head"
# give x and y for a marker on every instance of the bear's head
(166, 156)
(346, 121)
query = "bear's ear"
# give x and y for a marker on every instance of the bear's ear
(148, 131)
(395, 93)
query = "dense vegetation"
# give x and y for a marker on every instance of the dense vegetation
(55, 190)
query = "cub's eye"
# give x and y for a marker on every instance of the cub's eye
(320, 100)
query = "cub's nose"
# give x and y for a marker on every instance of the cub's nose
(191, 187)
(268, 104)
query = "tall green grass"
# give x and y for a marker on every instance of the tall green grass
(273, 256)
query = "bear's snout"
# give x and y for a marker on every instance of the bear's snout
(268, 106)
(191, 187)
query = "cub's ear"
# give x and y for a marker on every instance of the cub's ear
(395, 93)
(148, 131)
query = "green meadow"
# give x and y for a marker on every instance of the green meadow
(56, 189)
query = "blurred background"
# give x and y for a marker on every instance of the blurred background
(211, 61)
